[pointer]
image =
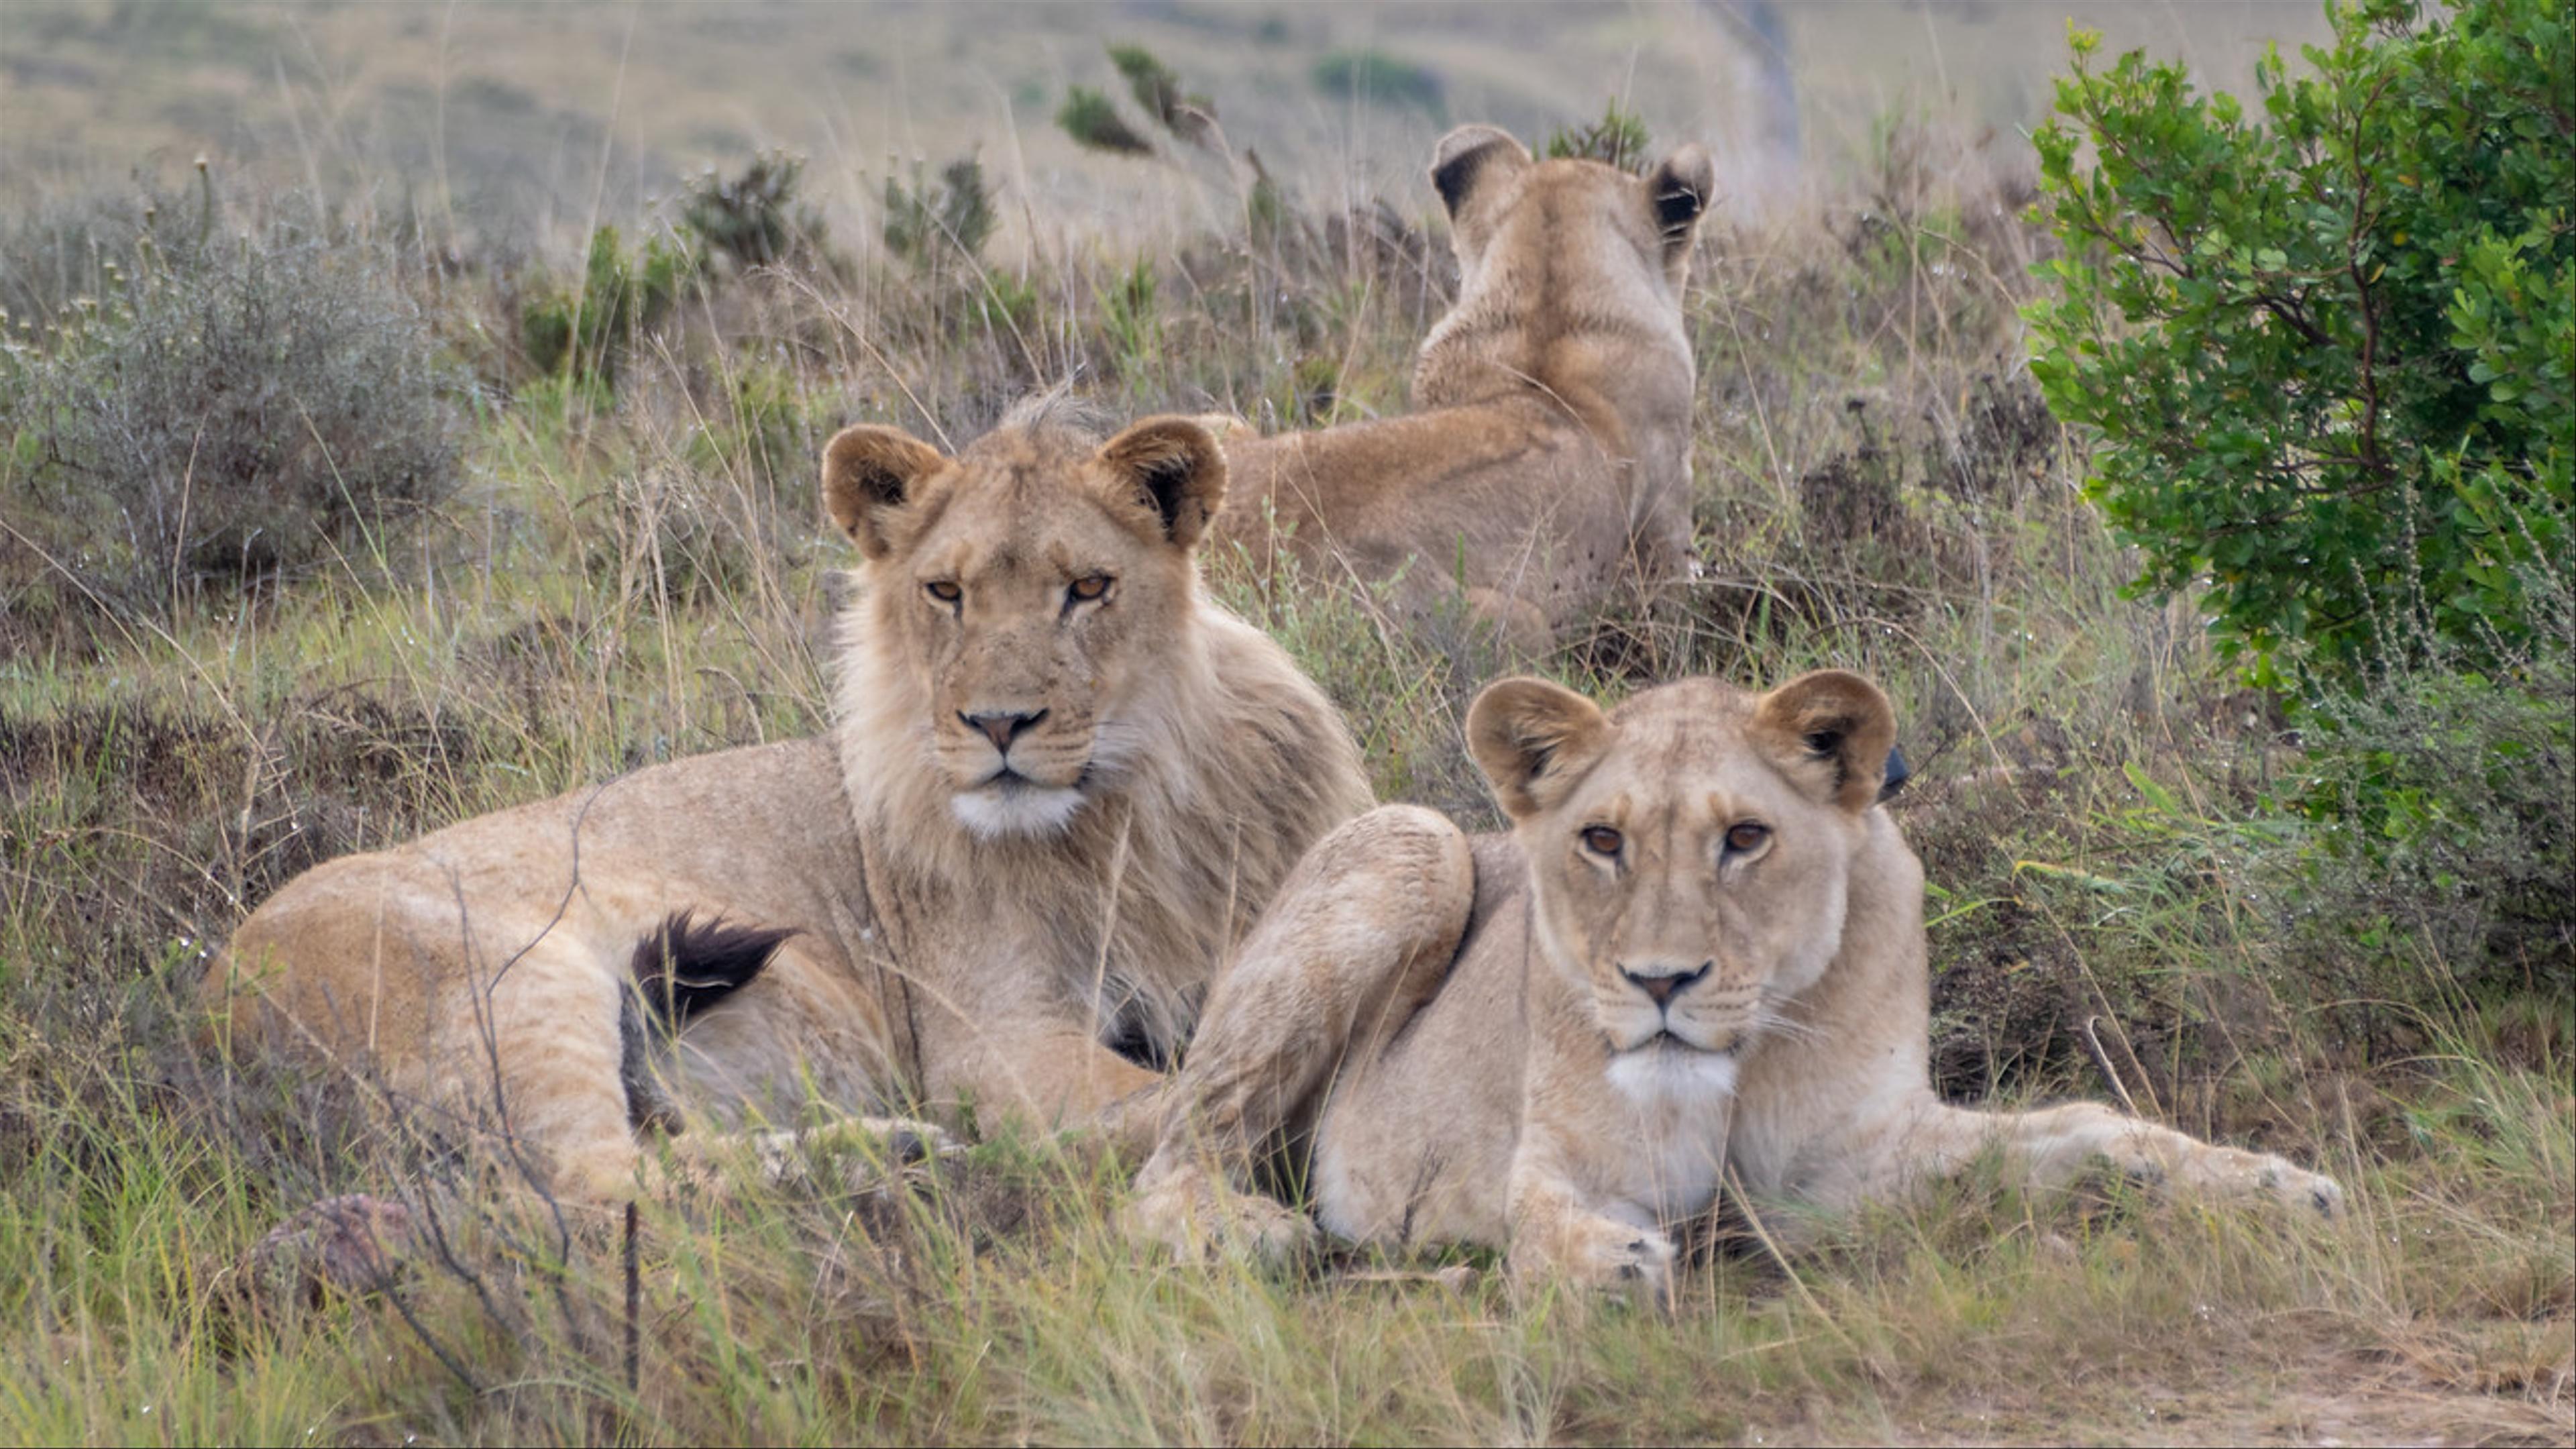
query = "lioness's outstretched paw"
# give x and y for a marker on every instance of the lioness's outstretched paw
(2228, 1172)
(2294, 1187)
(1600, 1253)
(1194, 1217)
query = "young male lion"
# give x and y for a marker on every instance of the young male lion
(1700, 950)
(1061, 784)
(1547, 461)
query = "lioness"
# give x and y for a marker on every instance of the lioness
(1700, 949)
(1548, 459)
(1061, 784)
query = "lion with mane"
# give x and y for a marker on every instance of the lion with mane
(1061, 784)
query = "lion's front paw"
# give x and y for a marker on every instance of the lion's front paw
(2299, 1189)
(1600, 1253)
(1191, 1215)
(2227, 1172)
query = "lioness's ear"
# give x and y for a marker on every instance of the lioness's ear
(868, 472)
(1534, 740)
(1831, 731)
(1681, 190)
(1469, 155)
(1171, 467)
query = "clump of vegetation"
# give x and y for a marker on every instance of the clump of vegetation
(584, 336)
(753, 219)
(926, 221)
(2325, 355)
(1187, 115)
(1374, 75)
(229, 411)
(2325, 346)
(1619, 139)
(1092, 120)
(2444, 800)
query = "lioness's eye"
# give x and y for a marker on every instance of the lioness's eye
(1747, 836)
(1602, 840)
(944, 590)
(1088, 588)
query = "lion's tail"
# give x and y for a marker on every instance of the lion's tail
(681, 968)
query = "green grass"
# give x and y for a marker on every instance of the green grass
(621, 584)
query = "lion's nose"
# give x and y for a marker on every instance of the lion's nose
(1001, 729)
(1662, 986)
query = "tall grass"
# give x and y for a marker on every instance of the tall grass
(626, 576)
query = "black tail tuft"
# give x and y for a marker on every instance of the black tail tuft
(1898, 772)
(684, 967)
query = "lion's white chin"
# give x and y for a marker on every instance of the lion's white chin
(995, 811)
(1663, 1073)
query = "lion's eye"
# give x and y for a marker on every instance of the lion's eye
(944, 590)
(1088, 588)
(1602, 840)
(1746, 836)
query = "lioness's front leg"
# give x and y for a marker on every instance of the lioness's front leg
(1354, 942)
(1557, 1233)
(2055, 1146)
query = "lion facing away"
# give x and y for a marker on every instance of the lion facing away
(1060, 785)
(1699, 952)
(1547, 462)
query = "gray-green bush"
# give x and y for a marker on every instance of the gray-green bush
(253, 407)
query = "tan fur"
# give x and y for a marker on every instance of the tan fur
(1700, 950)
(958, 938)
(1547, 462)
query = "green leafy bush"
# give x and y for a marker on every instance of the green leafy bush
(2323, 343)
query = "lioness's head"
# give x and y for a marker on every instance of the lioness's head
(1689, 852)
(1517, 223)
(1024, 597)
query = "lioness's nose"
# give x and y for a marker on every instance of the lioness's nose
(1001, 729)
(1662, 987)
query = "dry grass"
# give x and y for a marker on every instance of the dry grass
(627, 579)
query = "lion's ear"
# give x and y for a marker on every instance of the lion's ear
(1681, 191)
(1534, 740)
(1173, 470)
(1830, 731)
(869, 472)
(1467, 157)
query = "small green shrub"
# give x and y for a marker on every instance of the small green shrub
(1619, 139)
(2325, 346)
(753, 219)
(585, 335)
(1092, 120)
(1131, 321)
(240, 411)
(1158, 90)
(2444, 798)
(924, 222)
